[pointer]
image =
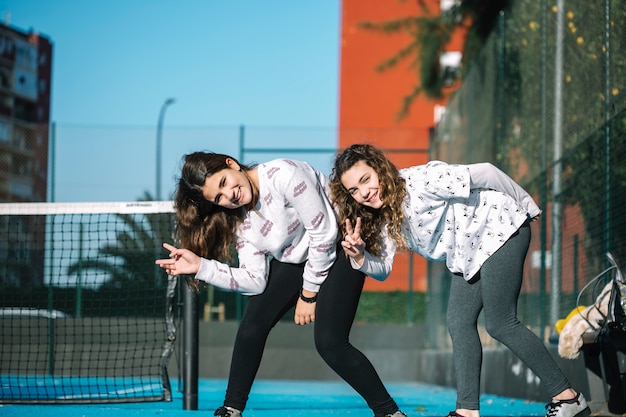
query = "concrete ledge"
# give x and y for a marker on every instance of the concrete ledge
(290, 351)
(397, 352)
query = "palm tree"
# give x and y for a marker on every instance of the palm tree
(129, 261)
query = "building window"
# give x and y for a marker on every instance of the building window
(450, 10)
(5, 131)
(6, 78)
(450, 67)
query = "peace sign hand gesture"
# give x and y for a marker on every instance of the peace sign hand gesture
(352, 243)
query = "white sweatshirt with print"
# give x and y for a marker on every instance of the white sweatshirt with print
(293, 222)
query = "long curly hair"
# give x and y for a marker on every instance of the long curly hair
(392, 192)
(203, 227)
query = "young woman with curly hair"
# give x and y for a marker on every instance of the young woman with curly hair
(279, 219)
(476, 219)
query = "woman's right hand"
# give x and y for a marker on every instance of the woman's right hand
(352, 243)
(305, 312)
(180, 262)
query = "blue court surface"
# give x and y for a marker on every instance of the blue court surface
(282, 398)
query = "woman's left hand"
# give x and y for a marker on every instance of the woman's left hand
(305, 312)
(352, 243)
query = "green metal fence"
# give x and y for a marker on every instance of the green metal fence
(546, 101)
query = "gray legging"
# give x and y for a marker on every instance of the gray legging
(496, 291)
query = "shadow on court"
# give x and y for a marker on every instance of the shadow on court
(287, 399)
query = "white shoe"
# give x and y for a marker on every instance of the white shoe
(396, 414)
(576, 407)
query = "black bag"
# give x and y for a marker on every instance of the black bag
(616, 317)
(612, 343)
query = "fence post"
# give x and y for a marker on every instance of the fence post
(190, 348)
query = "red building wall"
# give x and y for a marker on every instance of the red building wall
(369, 102)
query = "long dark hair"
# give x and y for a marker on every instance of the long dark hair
(392, 192)
(203, 227)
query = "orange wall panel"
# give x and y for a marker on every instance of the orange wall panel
(369, 98)
(369, 102)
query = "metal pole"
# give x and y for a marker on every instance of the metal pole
(190, 347)
(79, 277)
(158, 146)
(50, 231)
(52, 153)
(555, 281)
(409, 308)
(543, 192)
(239, 305)
(242, 145)
(607, 127)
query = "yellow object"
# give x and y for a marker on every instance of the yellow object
(561, 323)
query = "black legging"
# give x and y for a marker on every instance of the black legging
(336, 306)
(496, 292)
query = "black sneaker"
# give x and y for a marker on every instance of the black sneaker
(576, 407)
(224, 411)
(396, 414)
(454, 414)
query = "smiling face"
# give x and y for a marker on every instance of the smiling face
(361, 181)
(229, 187)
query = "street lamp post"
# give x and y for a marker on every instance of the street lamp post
(158, 146)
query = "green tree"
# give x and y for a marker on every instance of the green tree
(511, 113)
(430, 33)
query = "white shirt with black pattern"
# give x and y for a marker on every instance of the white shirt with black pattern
(460, 214)
(293, 222)
(447, 217)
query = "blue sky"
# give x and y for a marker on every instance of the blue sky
(272, 63)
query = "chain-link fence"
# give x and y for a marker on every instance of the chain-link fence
(546, 101)
(119, 163)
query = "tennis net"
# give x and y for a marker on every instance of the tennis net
(85, 314)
